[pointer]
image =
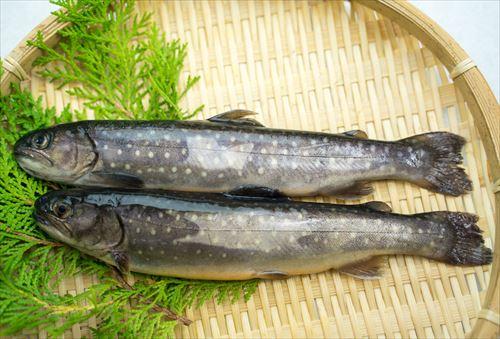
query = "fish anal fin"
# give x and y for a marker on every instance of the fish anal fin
(121, 261)
(369, 269)
(355, 191)
(356, 133)
(378, 206)
(250, 191)
(273, 275)
(114, 180)
(236, 117)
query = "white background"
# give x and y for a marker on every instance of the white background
(475, 24)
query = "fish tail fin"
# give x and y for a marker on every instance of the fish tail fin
(441, 156)
(465, 245)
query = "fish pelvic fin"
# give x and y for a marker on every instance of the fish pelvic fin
(353, 192)
(441, 173)
(466, 246)
(370, 269)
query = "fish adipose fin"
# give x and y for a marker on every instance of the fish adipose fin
(368, 270)
(377, 206)
(353, 192)
(356, 133)
(442, 174)
(236, 117)
(467, 244)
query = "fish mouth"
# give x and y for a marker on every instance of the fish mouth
(29, 155)
(52, 226)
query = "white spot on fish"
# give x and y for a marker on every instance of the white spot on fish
(420, 231)
(174, 169)
(203, 174)
(221, 175)
(151, 154)
(224, 255)
(291, 238)
(150, 170)
(313, 142)
(169, 229)
(260, 170)
(202, 233)
(305, 153)
(238, 244)
(386, 149)
(263, 151)
(373, 148)
(194, 217)
(325, 241)
(160, 215)
(198, 251)
(137, 230)
(294, 144)
(233, 139)
(367, 165)
(257, 241)
(148, 219)
(240, 173)
(188, 170)
(399, 154)
(153, 231)
(395, 228)
(139, 251)
(274, 162)
(261, 137)
(210, 255)
(353, 235)
(137, 153)
(162, 252)
(366, 241)
(119, 152)
(267, 250)
(178, 141)
(325, 139)
(105, 147)
(184, 151)
(113, 165)
(177, 217)
(294, 165)
(139, 171)
(217, 135)
(275, 143)
(316, 239)
(161, 170)
(409, 149)
(175, 257)
(129, 145)
(139, 135)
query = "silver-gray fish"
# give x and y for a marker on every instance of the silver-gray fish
(230, 152)
(227, 237)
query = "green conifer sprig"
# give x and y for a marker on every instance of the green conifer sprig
(123, 68)
(124, 65)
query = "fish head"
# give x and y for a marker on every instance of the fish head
(68, 217)
(60, 153)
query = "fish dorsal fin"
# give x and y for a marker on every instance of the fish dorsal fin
(257, 192)
(236, 117)
(369, 269)
(356, 133)
(377, 206)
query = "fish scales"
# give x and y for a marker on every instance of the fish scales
(210, 156)
(212, 236)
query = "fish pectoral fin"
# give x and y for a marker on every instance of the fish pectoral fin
(236, 117)
(273, 275)
(377, 206)
(115, 180)
(356, 133)
(355, 191)
(256, 192)
(368, 270)
(121, 261)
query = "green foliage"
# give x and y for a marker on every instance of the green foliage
(124, 74)
(125, 65)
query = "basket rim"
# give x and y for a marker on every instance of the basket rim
(478, 95)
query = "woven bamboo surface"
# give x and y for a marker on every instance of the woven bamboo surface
(330, 66)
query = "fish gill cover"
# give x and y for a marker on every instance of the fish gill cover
(124, 68)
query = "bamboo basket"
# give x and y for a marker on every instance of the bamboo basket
(381, 66)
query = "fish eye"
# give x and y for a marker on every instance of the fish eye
(62, 210)
(40, 141)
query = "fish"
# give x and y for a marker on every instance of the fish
(213, 236)
(233, 153)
